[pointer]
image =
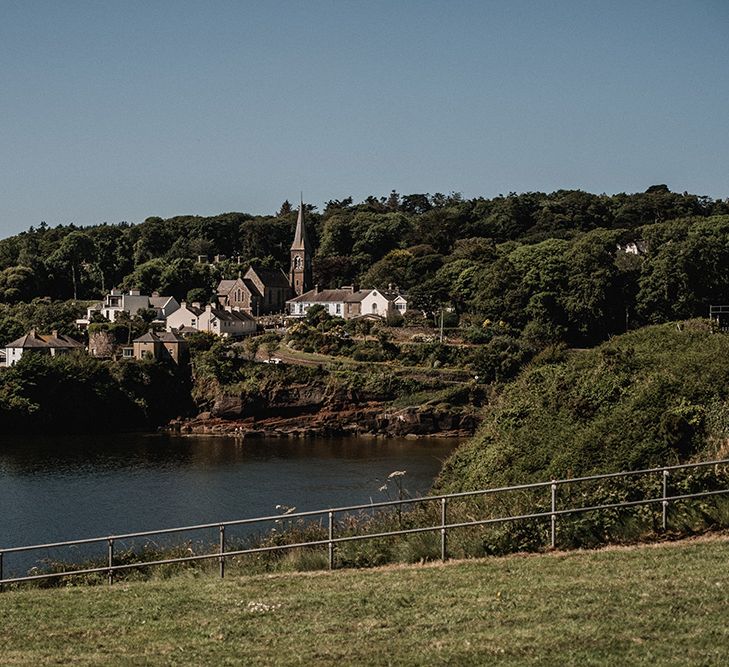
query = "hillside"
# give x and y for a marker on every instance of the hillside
(651, 397)
(610, 607)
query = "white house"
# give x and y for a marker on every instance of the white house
(344, 302)
(383, 302)
(187, 315)
(220, 321)
(53, 344)
(131, 303)
(348, 303)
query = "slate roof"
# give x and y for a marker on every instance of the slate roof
(149, 337)
(391, 295)
(170, 337)
(159, 337)
(330, 295)
(61, 341)
(224, 286)
(159, 301)
(252, 287)
(33, 340)
(194, 310)
(231, 315)
(271, 277)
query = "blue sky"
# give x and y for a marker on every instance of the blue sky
(119, 111)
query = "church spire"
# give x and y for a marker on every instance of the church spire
(301, 240)
(300, 274)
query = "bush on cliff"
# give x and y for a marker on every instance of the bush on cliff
(655, 396)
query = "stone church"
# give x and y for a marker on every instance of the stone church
(261, 291)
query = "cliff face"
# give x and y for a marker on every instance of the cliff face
(307, 410)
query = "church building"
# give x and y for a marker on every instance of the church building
(261, 291)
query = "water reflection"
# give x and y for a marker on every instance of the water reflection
(71, 487)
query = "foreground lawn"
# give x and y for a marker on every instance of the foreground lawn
(665, 604)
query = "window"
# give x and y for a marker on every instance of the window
(374, 307)
(128, 352)
(339, 309)
(297, 262)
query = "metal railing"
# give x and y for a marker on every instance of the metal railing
(443, 526)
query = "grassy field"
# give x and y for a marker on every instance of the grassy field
(665, 604)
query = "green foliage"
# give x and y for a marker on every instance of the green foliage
(74, 393)
(652, 397)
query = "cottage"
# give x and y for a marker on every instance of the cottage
(384, 302)
(159, 346)
(53, 344)
(345, 302)
(348, 303)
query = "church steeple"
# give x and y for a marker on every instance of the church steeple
(300, 275)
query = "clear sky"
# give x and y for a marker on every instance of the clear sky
(114, 111)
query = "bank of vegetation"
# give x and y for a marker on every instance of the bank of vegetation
(80, 394)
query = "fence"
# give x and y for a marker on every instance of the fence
(552, 515)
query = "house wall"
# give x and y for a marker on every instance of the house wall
(141, 349)
(352, 310)
(182, 316)
(334, 308)
(13, 354)
(375, 304)
(274, 298)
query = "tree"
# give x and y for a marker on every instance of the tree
(251, 346)
(74, 251)
(270, 343)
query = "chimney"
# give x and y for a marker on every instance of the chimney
(155, 293)
(195, 304)
(389, 287)
(134, 292)
(208, 307)
(183, 304)
(348, 288)
(316, 288)
(54, 333)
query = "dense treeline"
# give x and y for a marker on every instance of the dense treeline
(569, 265)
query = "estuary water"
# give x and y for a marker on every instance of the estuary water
(63, 488)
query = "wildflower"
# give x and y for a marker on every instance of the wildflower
(255, 607)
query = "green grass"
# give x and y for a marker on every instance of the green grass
(661, 605)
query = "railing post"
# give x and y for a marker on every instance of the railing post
(330, 546)
(443, 536)
(221, 545)
(554, 516)
(664, 504)
(110, 554)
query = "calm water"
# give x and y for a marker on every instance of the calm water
(61, 488)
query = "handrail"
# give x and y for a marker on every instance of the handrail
(222, 553)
